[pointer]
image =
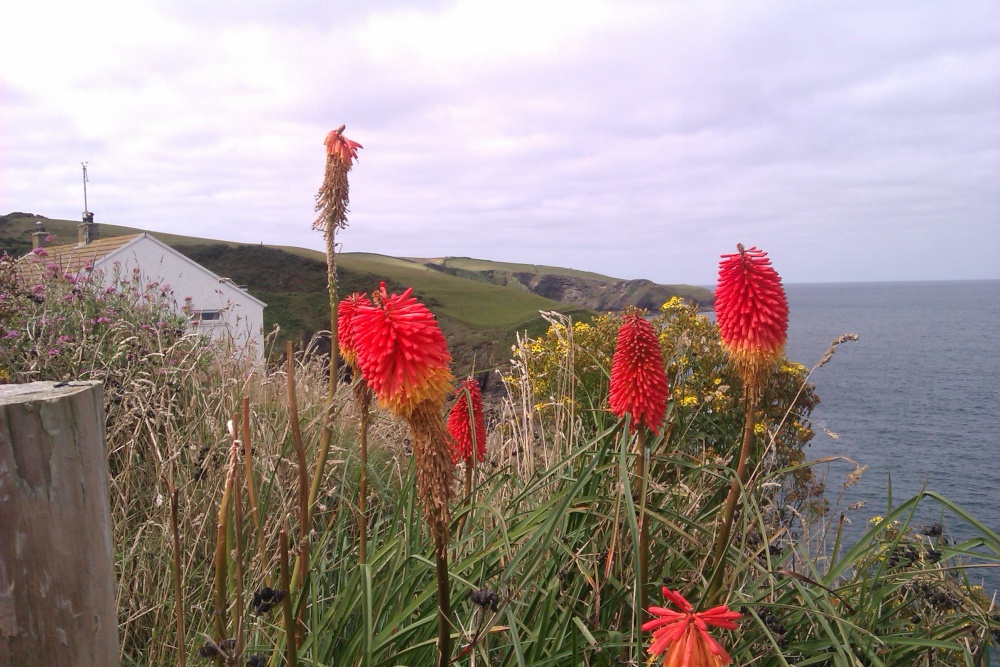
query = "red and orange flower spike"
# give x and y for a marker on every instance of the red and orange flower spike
(345, 327)
(752, 312)
(404, 359)
(638, 375)
(682, 637)
(467, 424)
(401, 352)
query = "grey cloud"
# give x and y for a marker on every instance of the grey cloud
(851, 141)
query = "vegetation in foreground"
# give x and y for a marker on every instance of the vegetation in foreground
(544, 548)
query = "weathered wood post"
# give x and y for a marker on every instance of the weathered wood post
(57, 588)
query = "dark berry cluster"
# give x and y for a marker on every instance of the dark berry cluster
(266, 599)
(773, 624)
(903, 556)
(485, 598)
(223, 649)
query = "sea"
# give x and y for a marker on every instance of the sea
(916, 398)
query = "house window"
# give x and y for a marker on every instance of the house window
(205, 316)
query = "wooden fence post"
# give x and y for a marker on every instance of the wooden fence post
(57, 587)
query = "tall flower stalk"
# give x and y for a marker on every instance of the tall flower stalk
(331, 205)
(639, 387)
(752, 312)
(362, 400)
(467, 427)
(404, 358)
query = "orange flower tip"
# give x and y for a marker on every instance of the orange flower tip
(340, 147)
(677, 599)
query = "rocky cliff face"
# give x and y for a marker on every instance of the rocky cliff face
(599, 295)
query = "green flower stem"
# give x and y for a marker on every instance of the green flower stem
(468, 499)
(444, 604)
(286, 603)
(363, 490)
(640, 486)
(324, 445)
(331, 284)
(300, 456)
(722, 538)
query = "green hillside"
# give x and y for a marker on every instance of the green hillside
(585, 289)
(482, 265)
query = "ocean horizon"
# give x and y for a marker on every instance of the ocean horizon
(914, 399)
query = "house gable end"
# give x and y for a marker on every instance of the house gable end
(121, 253)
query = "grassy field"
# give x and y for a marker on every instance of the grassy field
(641, 293)
(480, 265)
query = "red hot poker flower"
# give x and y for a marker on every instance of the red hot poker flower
(345, 326)
(467, 425)
(638, 376)
(682, 637)
(752, 312)
(340, 147)
(401, 352)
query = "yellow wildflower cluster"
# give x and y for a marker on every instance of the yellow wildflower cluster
(688, 400)
(570, 366)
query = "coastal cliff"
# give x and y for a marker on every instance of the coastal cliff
(582, 289)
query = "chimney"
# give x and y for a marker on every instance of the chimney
(87, 231)
(38, 238)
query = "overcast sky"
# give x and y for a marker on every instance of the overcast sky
(851, 140)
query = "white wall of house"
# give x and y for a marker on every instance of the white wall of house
(229, 313)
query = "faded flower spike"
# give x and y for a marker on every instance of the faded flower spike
(401, 352)
(340, 147)
(334, 194)
(682, 637)
(467, 424)
(752, 312)
(638, 375)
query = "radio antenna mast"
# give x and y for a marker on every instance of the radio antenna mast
(84, 165)
(87, 215)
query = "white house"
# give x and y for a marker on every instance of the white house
(218, 307)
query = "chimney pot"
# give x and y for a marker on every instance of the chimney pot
(87, 231)
(38, 238)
